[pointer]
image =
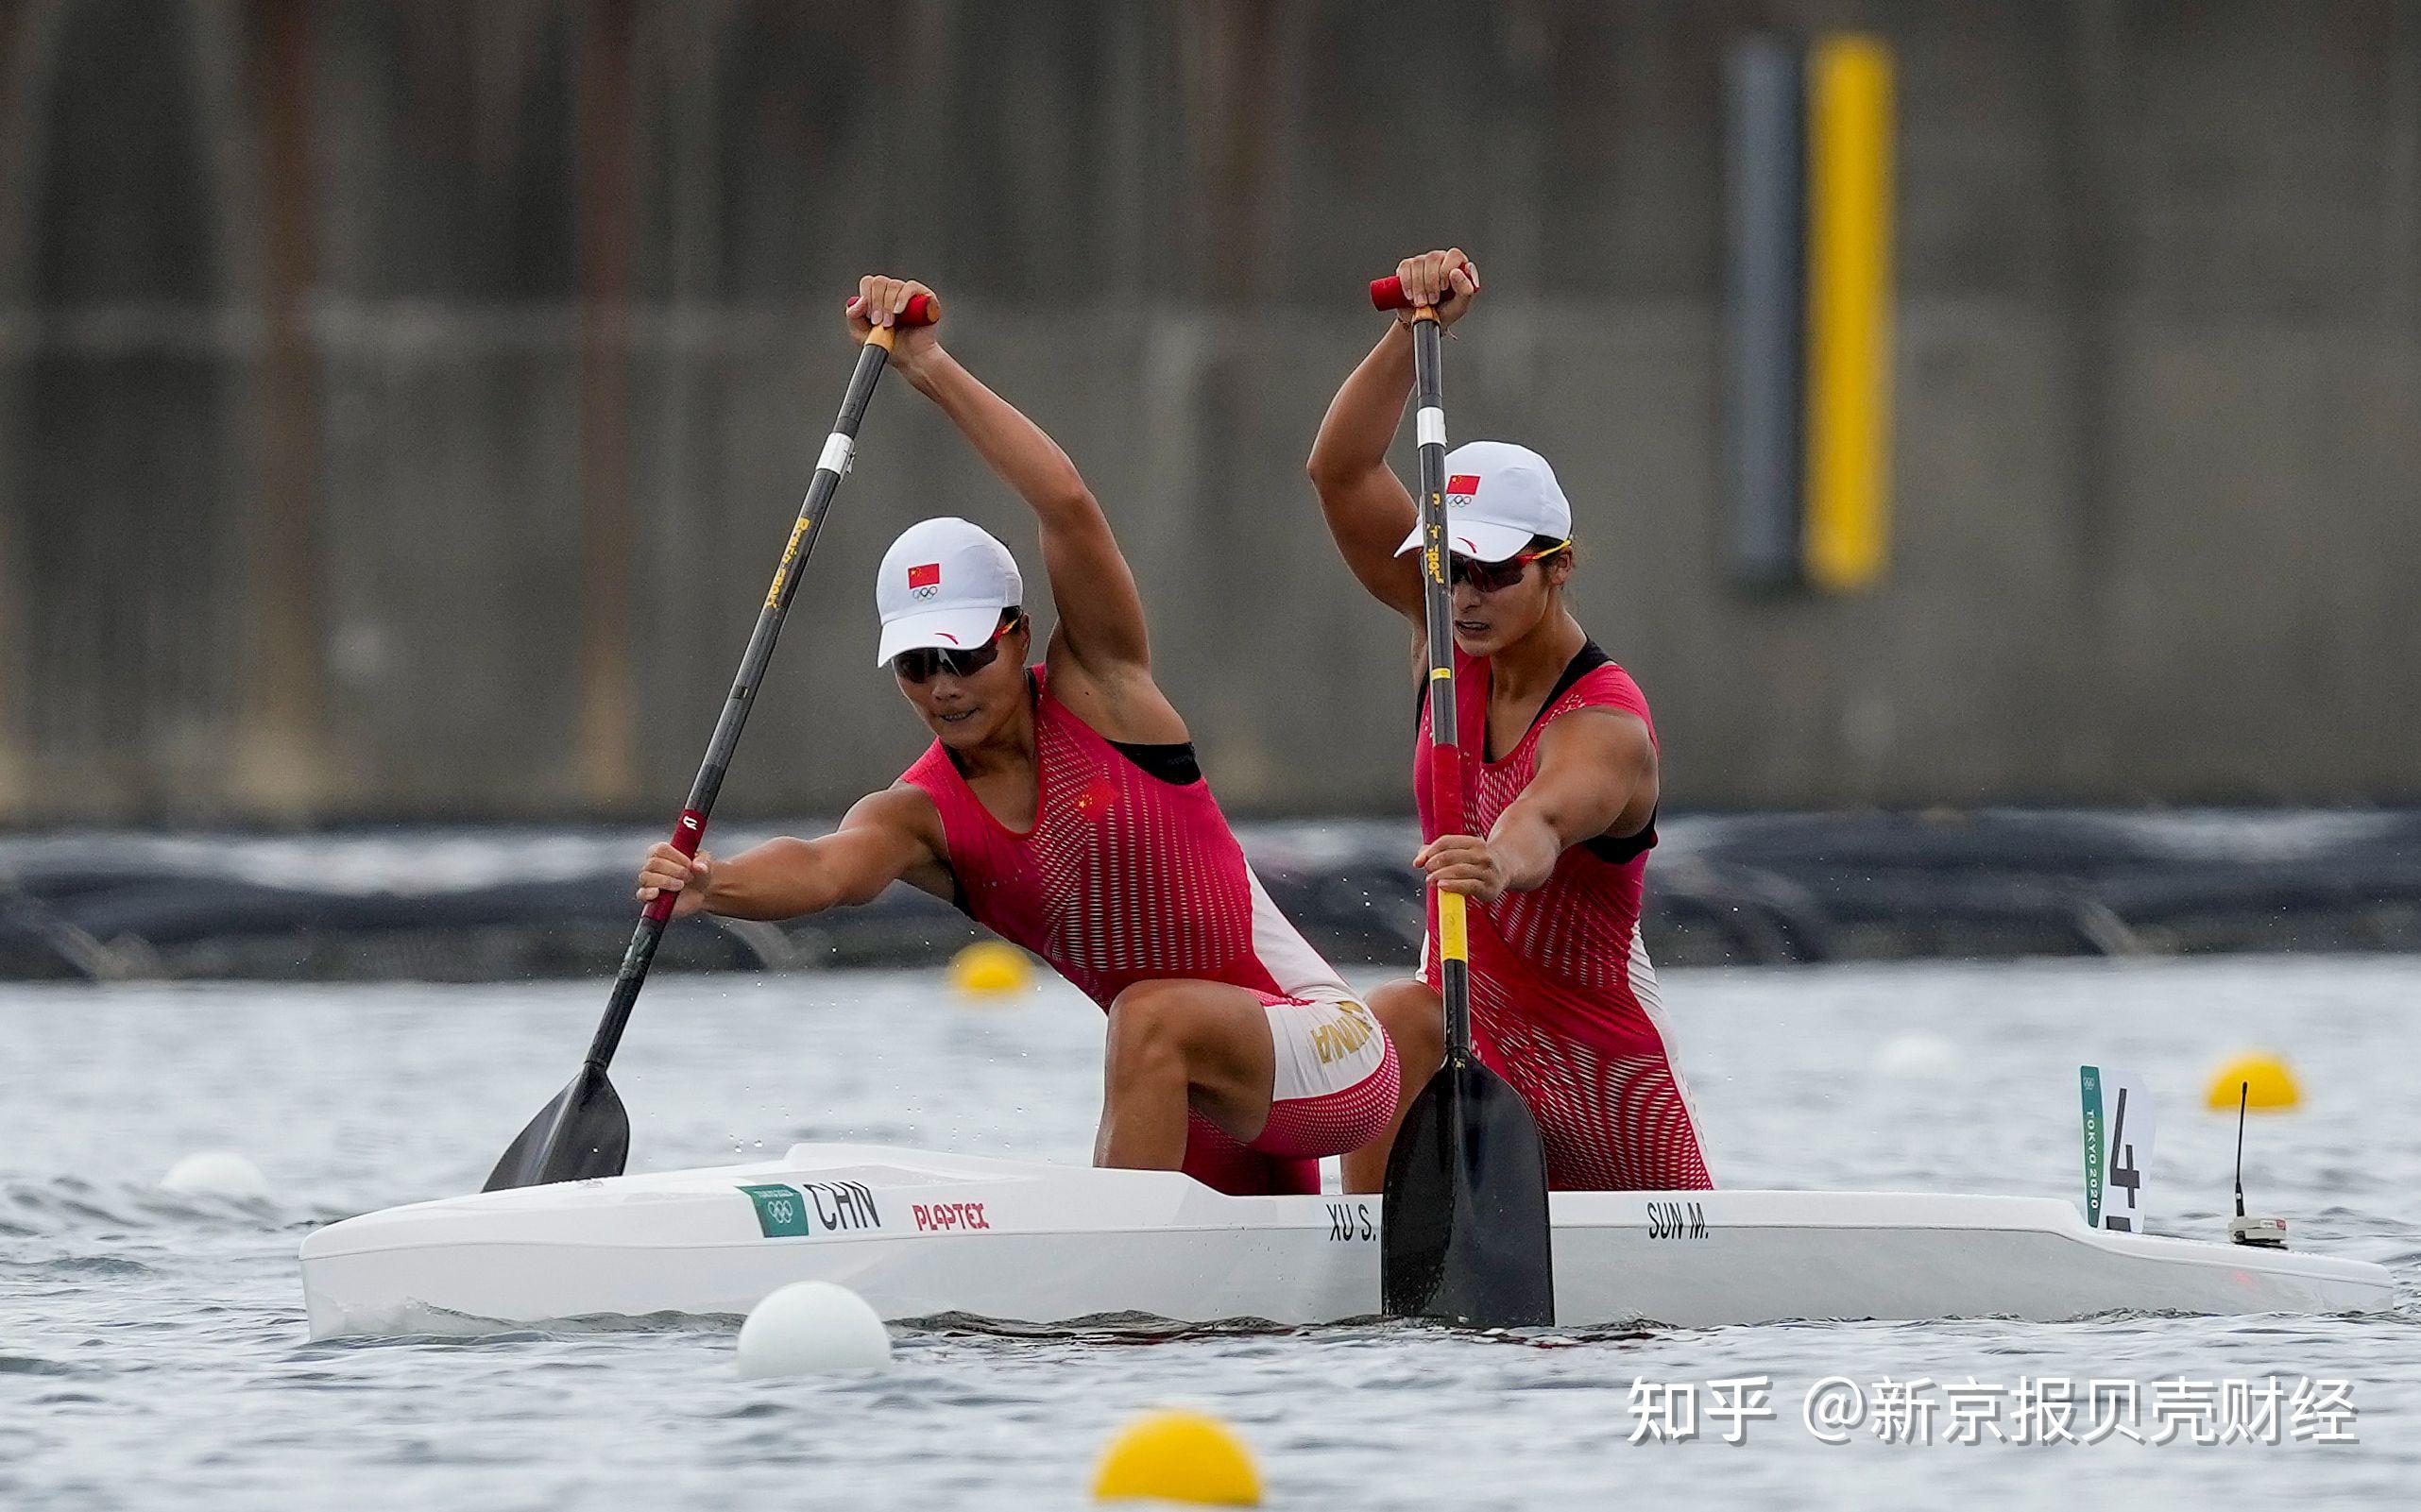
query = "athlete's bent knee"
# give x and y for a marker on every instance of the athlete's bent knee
(1411, 1015)
(1148, 1032)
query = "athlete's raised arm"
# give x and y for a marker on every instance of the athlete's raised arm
(886, 837)
(1099, 652)
(1369, 510)
(1596, 776)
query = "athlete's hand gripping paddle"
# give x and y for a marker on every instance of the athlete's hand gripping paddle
(584, 1131)
(1465, 1235)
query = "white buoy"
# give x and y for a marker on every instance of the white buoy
(216, 1173)
(812, 1328)
(1917, 1056)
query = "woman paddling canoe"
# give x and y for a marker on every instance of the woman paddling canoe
(1549, 837)
(1060, 805)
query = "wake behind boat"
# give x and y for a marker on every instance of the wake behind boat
(919, 1234)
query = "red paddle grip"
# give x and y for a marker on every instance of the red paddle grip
(1387, 293)
(1445, 786)
(688, 831)
(919, 310)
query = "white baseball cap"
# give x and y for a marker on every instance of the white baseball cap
(1498, 496)
(944, 583)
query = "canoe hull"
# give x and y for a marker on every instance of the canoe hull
(918, 1235)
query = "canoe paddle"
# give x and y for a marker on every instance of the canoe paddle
(583, 1132)
(1464, 1235)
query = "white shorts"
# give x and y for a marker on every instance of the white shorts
(1333, 1091)
(1322, 1044)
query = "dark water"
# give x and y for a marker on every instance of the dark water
(152, 1350)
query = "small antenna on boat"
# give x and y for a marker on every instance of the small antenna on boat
(2263, 1234)
(2243, 1097)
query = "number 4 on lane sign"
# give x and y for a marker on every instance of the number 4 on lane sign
(2118, 1148)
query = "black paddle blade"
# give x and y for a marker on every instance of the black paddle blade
(1465, 1236)
(593, 1138)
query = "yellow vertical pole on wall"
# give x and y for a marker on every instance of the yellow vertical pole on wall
(1848, 311)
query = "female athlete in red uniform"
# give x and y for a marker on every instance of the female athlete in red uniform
(1549, 837)
(1060, 805)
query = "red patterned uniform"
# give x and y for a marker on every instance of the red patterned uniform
(1564, 999)
(1128, 877)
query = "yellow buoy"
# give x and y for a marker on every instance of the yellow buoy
(989, 967)
(2263, 1080)
(1178, 1456)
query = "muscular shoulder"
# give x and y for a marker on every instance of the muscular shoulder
(904, 815)
(1599, 735)
(1600, 761)
(903, 806)
(901, 816)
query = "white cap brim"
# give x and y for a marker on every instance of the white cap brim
(960, 627)
(1475, 538)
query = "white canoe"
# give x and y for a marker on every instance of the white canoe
(918, 1233)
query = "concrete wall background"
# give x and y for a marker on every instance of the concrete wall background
(365, 369)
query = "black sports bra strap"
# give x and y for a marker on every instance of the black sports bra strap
(1174, 761)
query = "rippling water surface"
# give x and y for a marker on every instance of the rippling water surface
(152, 1350)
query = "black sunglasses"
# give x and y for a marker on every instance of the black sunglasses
(925, 663)
(1493, 577)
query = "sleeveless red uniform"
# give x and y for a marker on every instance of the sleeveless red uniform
(1563, 998)
(1128, 877)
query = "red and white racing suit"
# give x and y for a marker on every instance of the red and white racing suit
(1564, 999)
(1127, 876)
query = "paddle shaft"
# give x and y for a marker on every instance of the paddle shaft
(1437, 604)
(1465, 1235)
(691, 828)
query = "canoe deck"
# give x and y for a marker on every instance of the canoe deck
(919, 1234)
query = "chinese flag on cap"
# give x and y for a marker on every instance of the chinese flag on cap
(1464, 482)
(926, 576)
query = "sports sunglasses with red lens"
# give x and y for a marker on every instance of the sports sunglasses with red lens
(1493, 577)
(924, 663)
